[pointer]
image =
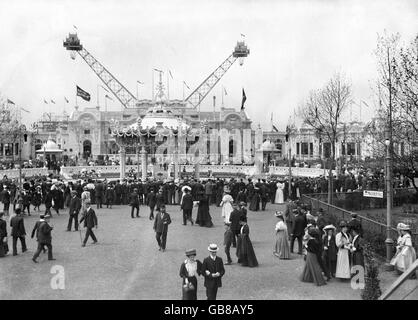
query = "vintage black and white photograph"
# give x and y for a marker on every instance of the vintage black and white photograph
(209, 150)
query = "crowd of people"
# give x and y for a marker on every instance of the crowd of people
(327, 254)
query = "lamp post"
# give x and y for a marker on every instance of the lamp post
(389, 240)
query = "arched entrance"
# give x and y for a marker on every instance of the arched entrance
(86, 149)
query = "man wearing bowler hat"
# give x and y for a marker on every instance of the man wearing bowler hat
(213, 270)
(44, 239)
(161, 222)
(75, 206)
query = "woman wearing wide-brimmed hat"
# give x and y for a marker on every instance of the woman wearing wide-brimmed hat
(281, 248)
(189, 270)
(405, 252)
(245, 251)
(329, 252)
(343, 242)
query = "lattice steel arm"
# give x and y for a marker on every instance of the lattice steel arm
(120, 92)
(197, 96)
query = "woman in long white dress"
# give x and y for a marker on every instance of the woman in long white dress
(226, 205)
(279, 192)
(343, 242)
(405, 252)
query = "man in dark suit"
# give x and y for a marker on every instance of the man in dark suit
(90, 221)
(161, 222)
(213, 271)
(44, 239)
(299, 224)
(5, 198)
(75, 206)
(35, 229)
(159, 199)
(151, 201)
(3, 235)
(134, 203)
(18, 231)
(99, 194)
(187, 206)
(234, 218)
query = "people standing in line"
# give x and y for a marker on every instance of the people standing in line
(226, 205)
(134, 203)
(245, 251)
(161, 222)
(187, 206)
(44, 239)
(234, 220)
(299, 224)
(213, 271)
(312, 272)
(229, 236)
(74, 210)
(189, 270)
(405, 253)
(151, 201)
(329, 252)
(343, 242)
(18, 231)
(90, 221)
(3, 236)
(281, 248)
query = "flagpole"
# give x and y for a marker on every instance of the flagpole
(183, 91)
(222, 96)
(168, 87)
(153, 84)
(105, 104)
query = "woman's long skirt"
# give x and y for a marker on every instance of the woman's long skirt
(282, 248)
(312, 271)
(343, 264)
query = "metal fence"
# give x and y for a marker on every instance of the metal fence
(357, 202)
(374, 230)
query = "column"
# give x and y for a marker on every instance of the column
(197, 170)
(176, 163)
(144, 164)
(122, 164)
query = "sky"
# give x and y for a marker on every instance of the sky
(295, 46)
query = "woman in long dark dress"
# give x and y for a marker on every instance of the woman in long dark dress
(189, 270)
(245, 251)
(203, 218)
(312, 272)
(255, 200)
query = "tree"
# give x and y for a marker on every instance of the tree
(323, 112)
(397, 110)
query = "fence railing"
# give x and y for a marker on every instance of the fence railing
(356, 201)
(375, 229)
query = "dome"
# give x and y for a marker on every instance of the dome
(49, 146)
(268, 146)
(159, 117)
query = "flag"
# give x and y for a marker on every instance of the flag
(184, 82)
(158, 70)
(106, 96)
(24, 110)
(244, 98)
(10, 101)
(104, 88)
(52, 101)
(170, 74)
(45, 101)
(242, 35)
(66, 100)
(84, 94)
(225, 91)
(75, 27)
(275, 128)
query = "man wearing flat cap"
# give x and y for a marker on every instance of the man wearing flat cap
(75, 206)
(213, 271)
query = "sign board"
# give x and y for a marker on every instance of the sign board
(373, 194)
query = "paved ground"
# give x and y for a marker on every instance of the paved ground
(126, 263)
